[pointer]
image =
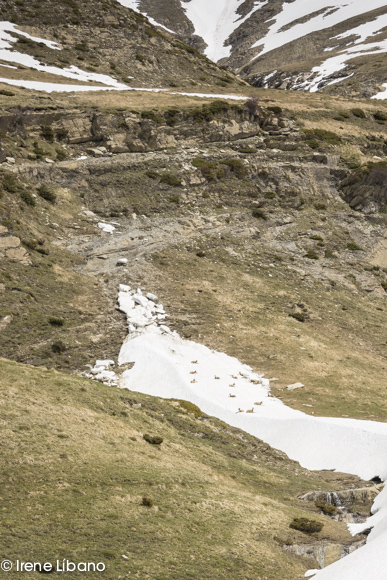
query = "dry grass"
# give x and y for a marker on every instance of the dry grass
(75, 468)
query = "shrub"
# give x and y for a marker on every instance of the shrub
(171, 117)
(353, 247)
(61, 134)
(311, 254)
(27, 198)
(316, 237)
(152, 174)
(58, 347)
(140, 57)
(259, 214)
(60, 154)
(190, 407)
(208, 112)
(248, 150)
(39, 152)
(7, 93)
(147, 501)
(326, 508)
(379, 116)
(298, 316)
(358, 113)
(306, 526)
(384, 286)
(320, 205)
(329, 254)
(56, 321)
(153, 439)
(198, 162)
(275, 109)
(208, 170)
(46, 193)
(170, 179)
(152, 116)
(270, 195)
(10, 183)
(313, 144)
(323, 135)
(47, 133)
(236, 166)
(174, 199)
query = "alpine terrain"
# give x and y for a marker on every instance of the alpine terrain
(193, 285)
(306, 45)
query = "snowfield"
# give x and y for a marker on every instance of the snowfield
(215, 21)
(166, 365)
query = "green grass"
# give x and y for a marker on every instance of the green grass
(76, 469)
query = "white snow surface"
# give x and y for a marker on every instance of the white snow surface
(333, 12)
(215, 21)
(108, 228)
(169, 366)
(382, 95)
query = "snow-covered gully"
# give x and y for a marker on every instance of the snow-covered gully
(166, 365)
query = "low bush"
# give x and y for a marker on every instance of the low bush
(58, 347)
(7, 93)
(147, 501)
(323, 135)
(47, 133)
(152, 116)
(152, 174)
(275, 109)
(311, 255)
(359, 113)
(379, 116)
(327, 508)
(61, 134)
(259, 214)
(61, 154)
(46, 193)
(248, 150)
(353, 247)
(55, 321)
(190, 407)
(27, 198)
(236, 166)
(10, 183)
(298, 316)
(153, 439)
(170, 179)
(306, 526)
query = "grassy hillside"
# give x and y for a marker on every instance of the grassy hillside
(75, 468)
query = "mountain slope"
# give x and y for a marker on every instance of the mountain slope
(75, 468)
(258, 38)
(99, 43)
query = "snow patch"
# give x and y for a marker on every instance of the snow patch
(216, 24)
(166, 365)
(108, 228)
